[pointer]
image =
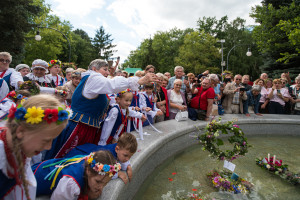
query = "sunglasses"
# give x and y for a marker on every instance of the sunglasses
(4, 61)
(238, 79)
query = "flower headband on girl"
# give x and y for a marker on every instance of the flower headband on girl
(103, 169)
(122, 92)
(54, 62)
(36, 115)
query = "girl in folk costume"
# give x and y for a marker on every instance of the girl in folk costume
(116, 122)
(31, 127)
(80, 177)
(90, 104)
(148, 103)
(12, 78)
(54, 68)
(39, 70)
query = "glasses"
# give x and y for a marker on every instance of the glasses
(4, 61)
(178, 85)
(238, 79)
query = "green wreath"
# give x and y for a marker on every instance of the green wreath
(30, 86)
(210, 141)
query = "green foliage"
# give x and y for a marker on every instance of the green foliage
(275, 35)
(102, 43)
(197, 53)
(15, 22)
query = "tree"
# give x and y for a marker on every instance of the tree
(15, 22)
(198, 53)
(102, 43)
(273, 37)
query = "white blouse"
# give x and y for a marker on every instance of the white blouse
(54, 78)
(110, 122)
(16, 193)
(98, 84)
(15, 77)
(176, 99)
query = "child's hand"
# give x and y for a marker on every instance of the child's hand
(144, 118)
(129, 172)
(123, 176)
(148, 109)
(137, 108)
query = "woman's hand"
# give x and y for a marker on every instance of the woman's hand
(148, 78)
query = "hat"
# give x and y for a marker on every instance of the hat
(54, 62)
(21, 66)
(38, 63)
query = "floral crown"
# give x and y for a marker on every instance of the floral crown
(36, 115)
(54, 62)
(103, 169)
(123, 92)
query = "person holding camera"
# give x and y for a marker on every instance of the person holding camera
(234, 95)
(253, 97)
(278, 97)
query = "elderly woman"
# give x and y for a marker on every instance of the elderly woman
(176, 98)
(23, 69)
(162, 99)
(165, 81)
(296, 95)
(253, 97)
(39, 69)
(68, 74)
(278, 96)
(71, 85)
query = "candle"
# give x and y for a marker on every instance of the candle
(268, 157)
(274, 158)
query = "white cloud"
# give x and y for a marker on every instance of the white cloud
(124, 49)
(77, 7)
(149, 16)
(91, 26)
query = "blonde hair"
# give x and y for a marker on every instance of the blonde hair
(138, 73)
(44, 101)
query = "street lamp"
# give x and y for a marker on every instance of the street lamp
(38, 38)
(249, 53)
(222, 62)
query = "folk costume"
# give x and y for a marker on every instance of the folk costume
(56, 80)
(116, 123)
(12, 78)
(90, 104)
(10, 182)
(4, 90)
(147, 101)
(43, 81)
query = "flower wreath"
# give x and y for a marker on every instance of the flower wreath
(123, 92)
(210, 140)
(54, 62)
(35, 115)
(276, 167)
(103, 169)
(31, 86)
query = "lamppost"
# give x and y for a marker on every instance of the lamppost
(249, 53)
(222, 62)
(38, 38)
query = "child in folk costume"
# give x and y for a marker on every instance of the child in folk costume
(90, 104)
(148, 103)
(80, 177)
(31, 127)
(123, 150)
(116, 122)
(54, 68)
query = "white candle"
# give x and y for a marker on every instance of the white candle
(274, 158)
(268, 157)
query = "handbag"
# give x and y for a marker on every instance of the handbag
(181, 116)
(215, 110)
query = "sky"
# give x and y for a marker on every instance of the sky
(131, 21)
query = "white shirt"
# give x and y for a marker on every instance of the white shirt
(143, 104)
(110, 122)
(66, 189)
(176, 99)
(98, 84)
(43, 79)
(54, 79)
(16, 193)
(15, 77)
(4, 109)
(4, 90)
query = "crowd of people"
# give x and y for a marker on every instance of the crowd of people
(67, 134)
